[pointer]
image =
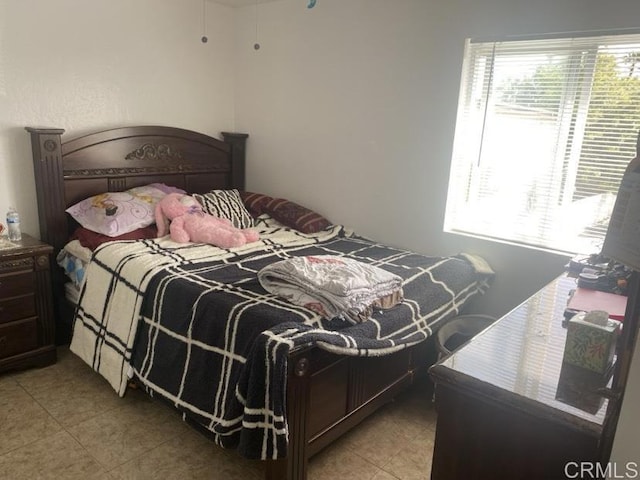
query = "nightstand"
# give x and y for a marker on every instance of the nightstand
(26, 306)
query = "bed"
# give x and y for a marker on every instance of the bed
(319, 380)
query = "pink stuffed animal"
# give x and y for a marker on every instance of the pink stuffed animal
(189, 223)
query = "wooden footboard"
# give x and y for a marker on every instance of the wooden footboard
(328, 394)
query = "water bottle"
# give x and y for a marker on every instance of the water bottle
(13, 225)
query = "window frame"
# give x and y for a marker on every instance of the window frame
(470, 134)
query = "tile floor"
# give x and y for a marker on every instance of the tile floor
(65, 422)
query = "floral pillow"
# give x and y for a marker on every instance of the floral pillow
(73, 258)
(116, 213)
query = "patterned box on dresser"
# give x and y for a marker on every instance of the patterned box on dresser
(591, 341)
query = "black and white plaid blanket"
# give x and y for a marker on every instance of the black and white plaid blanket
(196, 327)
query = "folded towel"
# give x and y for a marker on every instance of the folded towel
(333, 286)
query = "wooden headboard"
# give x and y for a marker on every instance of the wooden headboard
(69, 170)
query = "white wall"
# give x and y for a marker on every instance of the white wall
(87, 65)
(351, 110)
(356, 101)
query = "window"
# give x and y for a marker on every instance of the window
(545, 129)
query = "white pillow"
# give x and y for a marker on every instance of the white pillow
(117, 213)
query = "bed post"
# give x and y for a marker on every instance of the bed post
(46, 145)
(294, 466)
(237, 142)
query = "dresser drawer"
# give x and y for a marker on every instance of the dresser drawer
(15, 308)
(12, 285)
(18, 337)
(27, 322)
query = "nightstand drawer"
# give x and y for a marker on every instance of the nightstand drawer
(17, 284)
(17, 307)
(18, 337)
(27, 322)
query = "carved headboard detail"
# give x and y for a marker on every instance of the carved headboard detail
(154, 151)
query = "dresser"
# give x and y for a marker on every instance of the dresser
(509, 408)
(26, 307)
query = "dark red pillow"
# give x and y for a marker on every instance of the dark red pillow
(285, 211)
(255, 202)
(92, 240)
(296, 216)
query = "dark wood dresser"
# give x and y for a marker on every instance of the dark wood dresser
(26, 307)
(508, 408)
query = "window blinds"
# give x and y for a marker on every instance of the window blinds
(545, 129)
